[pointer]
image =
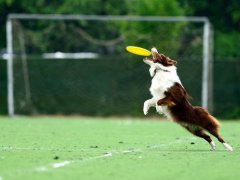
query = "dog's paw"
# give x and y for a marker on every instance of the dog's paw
(145, 59)
(227, 147)
(213, 146)
(145, 109)
(165, 103)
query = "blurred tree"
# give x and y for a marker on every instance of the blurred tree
(164, 37)
(153, 34)
(100, 7)
(225, 17)
(224, 14)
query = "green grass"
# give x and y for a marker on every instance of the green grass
(112, 149)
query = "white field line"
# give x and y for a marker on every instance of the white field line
(11, 148)
(68, 162)
(106, 155)
(61, 164)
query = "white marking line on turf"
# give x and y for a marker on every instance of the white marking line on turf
(108, 154)
(68, 162)
(65, 163)
(61, 164)
(9, 148)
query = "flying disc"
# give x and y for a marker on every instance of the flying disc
(138, 51)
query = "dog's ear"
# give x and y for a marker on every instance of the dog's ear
(166, 61)
(178, 92)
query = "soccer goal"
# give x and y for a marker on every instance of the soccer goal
(77, 64)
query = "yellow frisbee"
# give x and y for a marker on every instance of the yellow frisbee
(138, 51)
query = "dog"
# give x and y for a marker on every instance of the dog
(170, 98)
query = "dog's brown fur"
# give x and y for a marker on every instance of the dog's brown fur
(175, 105)
(195, 119)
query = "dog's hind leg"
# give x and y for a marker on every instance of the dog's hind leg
(202, 134)
(215, 133)
(197, 131)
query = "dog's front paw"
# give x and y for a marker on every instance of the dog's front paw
(169, 103)
(145, 108)
(145, 111)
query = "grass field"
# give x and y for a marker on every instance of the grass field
(85, 148)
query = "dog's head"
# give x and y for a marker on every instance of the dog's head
(160, 62)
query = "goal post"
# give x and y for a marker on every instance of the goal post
(10, 96)
(207, 48)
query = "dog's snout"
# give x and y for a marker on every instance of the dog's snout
(154, 50)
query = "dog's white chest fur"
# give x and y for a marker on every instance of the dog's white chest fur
(161, 82)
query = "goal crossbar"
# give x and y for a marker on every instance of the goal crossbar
(109, 18)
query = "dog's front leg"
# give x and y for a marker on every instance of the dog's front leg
(152, 70)
(147, 104)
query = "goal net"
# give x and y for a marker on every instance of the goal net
(68, 64)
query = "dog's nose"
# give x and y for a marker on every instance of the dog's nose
(154, 50)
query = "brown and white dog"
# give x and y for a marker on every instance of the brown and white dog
(170, 98)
